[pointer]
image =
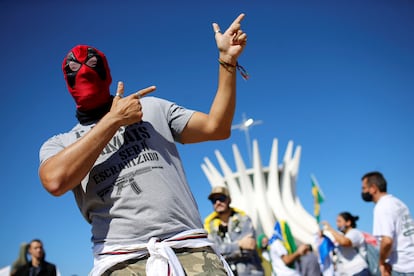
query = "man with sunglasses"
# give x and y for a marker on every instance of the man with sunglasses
(233, 233)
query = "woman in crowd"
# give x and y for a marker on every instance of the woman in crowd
(351, 249)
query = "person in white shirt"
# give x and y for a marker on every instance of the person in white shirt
(284, 263)
(350, 250)
(393, 226)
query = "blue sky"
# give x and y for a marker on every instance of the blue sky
(335, 77)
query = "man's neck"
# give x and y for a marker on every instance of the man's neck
(224, 216)
(36, 262)
(378, 197)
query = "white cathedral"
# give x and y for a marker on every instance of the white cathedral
(266, 193)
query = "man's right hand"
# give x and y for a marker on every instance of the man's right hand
(386, 269)
(302, 249)
(128, 110)
(247, 243)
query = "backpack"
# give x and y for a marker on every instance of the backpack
(372, 258)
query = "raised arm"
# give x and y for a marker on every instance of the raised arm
(216, 124)
(65, 170)
(339, 238)
(290, 258)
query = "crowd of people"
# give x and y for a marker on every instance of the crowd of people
(238, 250)
(122, 153)
(393, 226)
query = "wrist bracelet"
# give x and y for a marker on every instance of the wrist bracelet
(232, 68)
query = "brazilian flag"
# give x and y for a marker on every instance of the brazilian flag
(282, 232)
(318, 198)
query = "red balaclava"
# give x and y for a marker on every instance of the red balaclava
(88, 77)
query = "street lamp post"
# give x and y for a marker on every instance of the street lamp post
(244, 126)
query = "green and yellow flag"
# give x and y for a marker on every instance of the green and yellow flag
(282, 232)
(318, 198)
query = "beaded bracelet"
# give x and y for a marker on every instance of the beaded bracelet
(232, 68)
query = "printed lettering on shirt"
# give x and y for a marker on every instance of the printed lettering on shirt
(407, 225)
(129, 146)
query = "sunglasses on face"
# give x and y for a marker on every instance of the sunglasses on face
(220, 198)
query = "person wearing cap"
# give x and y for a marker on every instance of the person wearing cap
(232, 231)
(123, 167)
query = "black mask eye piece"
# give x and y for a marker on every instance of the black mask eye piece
(74, 66)
(92, 62)
(95, 61)
(71, 68)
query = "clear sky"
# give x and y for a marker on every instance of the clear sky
(335, 77)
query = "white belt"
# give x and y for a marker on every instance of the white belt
(161, 253)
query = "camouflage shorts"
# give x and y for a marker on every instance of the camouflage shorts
(195, 261)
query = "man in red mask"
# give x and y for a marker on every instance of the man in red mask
(88, 78)
(122, 165)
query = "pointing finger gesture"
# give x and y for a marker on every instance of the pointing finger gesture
(232, 42)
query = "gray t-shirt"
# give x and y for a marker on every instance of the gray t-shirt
(137, 188)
